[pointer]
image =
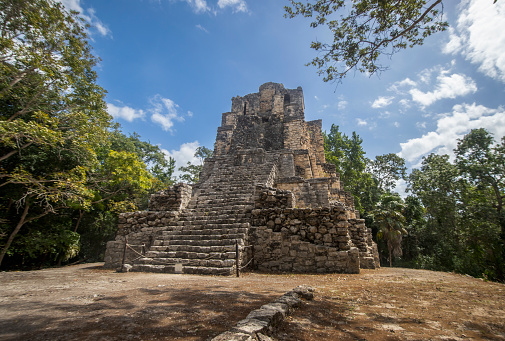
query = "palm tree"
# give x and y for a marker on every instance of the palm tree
(389, 218)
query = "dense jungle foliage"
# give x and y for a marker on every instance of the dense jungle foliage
(452, 218)
(66, 170)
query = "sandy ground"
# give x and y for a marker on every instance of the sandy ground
(86, 302)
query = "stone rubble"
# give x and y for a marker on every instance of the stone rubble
(267, 190)
(260, 323)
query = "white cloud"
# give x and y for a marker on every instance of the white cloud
(401, 188)
(382, 102)
(448, 86)
(124, 112)
(421, 125)
(88, 15)
(396, 124)
(479, 36)
(342, 105)
(200, 27)
(404, 103)
(399, 86)
(164, 112)
(316, 98)
(361, 122)
(185, 153)
(237, 5)
(385, 114)
(453, 126)
(199, 6)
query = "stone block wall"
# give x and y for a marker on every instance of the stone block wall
(325, 239)
(174, 198)
(316, 141)
(310, 192)
(339, 195)
(140, 228)
(269, 197)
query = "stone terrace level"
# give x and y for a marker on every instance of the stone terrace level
(267, 189)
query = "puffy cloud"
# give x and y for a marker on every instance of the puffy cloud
(199, 6)
(124, 112)
(405, 104)
(453, 126)
(164, 112)
(341, 105)
(361, 122)
(448, 86)
(87, 14)
(237, 5)
(399, 86)
(441, 79)
(185, 154)
(382, 102)
(479, 36)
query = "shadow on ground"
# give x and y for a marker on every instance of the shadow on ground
(162, 314)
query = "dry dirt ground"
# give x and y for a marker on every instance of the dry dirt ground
(87, 302)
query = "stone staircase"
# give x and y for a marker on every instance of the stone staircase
(205, 237)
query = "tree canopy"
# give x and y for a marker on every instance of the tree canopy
(364, 31)
(191, 172)
(59, 151)
(388, 215)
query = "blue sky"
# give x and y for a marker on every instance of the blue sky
(171, 68)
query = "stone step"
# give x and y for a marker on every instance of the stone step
(206, 231)
(171, 245)
(221, 210)
(185, 269)
(208, 220)
(193, 251)
(200, 242)
(200, 236)
(214, 220)
(170, 261)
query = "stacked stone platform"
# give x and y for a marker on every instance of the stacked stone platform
(267, 189)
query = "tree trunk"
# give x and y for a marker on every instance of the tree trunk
(15, 232)
(81, 213)
(390, 257)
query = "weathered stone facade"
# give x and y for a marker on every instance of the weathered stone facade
(267, 191)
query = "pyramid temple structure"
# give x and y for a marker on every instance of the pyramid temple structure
(267, 200)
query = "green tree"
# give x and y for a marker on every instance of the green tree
(158, 164)
(347, 154)
(437, 185)
(482, 163)
(192, 172)
(52, 112)
(388, 216)
(364, 31)
(415, 224)
(59, 152)
(387, 169)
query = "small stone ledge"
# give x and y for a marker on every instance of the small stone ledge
(260, 323)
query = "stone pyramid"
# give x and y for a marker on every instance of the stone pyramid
(266, 200)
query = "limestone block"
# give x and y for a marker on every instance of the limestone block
(233, 336)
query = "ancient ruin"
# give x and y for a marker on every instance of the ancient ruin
(267, 193)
